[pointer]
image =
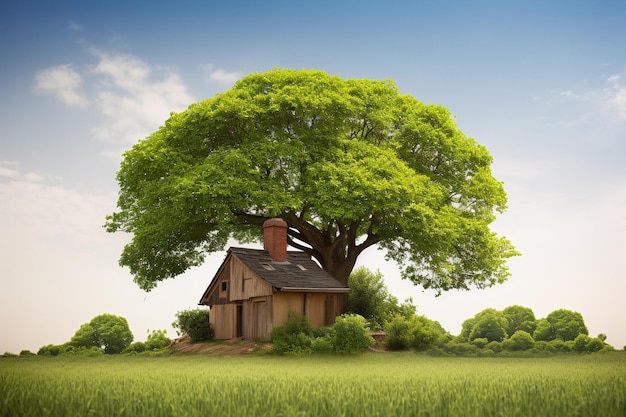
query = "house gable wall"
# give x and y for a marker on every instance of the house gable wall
(216, 295)
(245, 283)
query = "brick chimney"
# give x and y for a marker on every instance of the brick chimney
(275, 239)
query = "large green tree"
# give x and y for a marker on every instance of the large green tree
(347, 163)
(520, 318)
(561, 324)
(106, 331)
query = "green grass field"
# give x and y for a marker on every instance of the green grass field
(389, 384)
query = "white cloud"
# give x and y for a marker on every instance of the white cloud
(134, 97)
(11, 170)
(616, 96)
(37, 207)
(605, 102)
(133, 103)
(62, 81)
(225, 77)
(222, 77)
(8, 172)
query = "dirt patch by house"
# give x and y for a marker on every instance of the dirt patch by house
(227, 347)
(242, 347)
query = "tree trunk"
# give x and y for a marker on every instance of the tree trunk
(335, 248)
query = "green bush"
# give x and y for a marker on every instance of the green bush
(417, 332)
(370, 298)
(580, 343)
(27, 353)
(489, 324)
(106, 331)
(157, 340)
(194, 322)
(520, 340)
(90, 351)
(298, 323)
(321, 345)
(398, 333)
(325, 332)
(425, 333)
(136, 347)
(494, 346)
(461, 349)
(596, 345)
(481, 342)
(543, 346)
(51, 350)
(562, 346)
(295, 337)
(560, 324)
(351, 334)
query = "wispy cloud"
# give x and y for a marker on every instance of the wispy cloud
(221, 76)
(62, 81)
(134, 97)
(616, 96)
(133, 101)
(605, 100)
(37, 206)
(8, 169)
(74, 26)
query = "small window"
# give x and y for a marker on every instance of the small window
(224, 285)
(267, 266)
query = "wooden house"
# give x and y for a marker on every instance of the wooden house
(253, 290)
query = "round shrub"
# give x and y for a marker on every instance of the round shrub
(417, 332)
(425, 333)
(295, 337)
(580, 343)
(593, 345)
(397, 333)
(321, 345)
(520, 340)
(105, 331)
(194, 322)
(494, 346)
(351, 334)
(157, 340)
(543, 346)
(50, 350)
(481, 342)
(136, 347)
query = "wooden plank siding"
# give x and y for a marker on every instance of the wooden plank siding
(257, 318)
(223, 318)
(320, 308)
(245, 283)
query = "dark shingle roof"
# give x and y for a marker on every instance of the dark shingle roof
(298, 273)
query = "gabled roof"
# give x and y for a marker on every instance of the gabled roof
(299, 273)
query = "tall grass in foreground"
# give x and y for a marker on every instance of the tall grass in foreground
(391, 384)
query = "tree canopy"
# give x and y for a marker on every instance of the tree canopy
(561, 324)
(347, 163)
(106, 331)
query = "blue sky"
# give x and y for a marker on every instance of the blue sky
(541, 84)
